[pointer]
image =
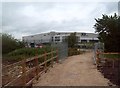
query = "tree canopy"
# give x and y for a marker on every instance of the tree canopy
(9, 43)
(109, 33)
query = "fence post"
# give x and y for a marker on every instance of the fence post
(57, 56)
(113, 65)
(37, 66)
(24, 71)
(70, 51)
(52, 57)
(45, 58)
(97, 58)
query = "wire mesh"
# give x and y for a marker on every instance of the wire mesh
(100, 48)
(62, 50)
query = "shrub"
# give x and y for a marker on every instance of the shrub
(9, 43)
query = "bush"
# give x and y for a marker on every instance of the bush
(73, 51)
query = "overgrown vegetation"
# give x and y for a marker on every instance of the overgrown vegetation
(71, 40)
(109, 33)
(72, 44)
(22, 53)
(74, 51)
(9, 43)
(13, 50)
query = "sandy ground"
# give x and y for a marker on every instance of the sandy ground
(74, 71)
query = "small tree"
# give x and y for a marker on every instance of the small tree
(109, 33)
(72, 40)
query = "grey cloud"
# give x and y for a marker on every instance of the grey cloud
(51, 16)
(112, 6)
(119, 8)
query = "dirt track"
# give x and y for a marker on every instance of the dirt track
(74, 71)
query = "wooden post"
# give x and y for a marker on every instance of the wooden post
(45, 58)
(24, 71)
(52, 57)
(97, 58)
(69, 51)
(57, 56)
(113, 64)
(37, 67)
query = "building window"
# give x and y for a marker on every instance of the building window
(58, 33)
(52, 38)
(83, 41)
(83, 34)
(93, 41)
(57, 38)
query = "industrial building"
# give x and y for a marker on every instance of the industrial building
(54, 37)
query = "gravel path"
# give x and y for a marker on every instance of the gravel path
(74, 71)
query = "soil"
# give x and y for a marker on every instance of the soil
(76, 70)
(111, 72)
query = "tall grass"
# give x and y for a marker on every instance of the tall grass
(22, 53)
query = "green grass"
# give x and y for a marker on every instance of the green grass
(22, 53)
(112, 56)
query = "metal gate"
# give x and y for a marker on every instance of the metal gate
(62, 50)
(98, 47)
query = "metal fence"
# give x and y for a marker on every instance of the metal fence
(98, 47)
(62, 50)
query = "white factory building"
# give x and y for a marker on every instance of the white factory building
(50, 37)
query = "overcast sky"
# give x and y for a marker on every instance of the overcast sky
(26, 18)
